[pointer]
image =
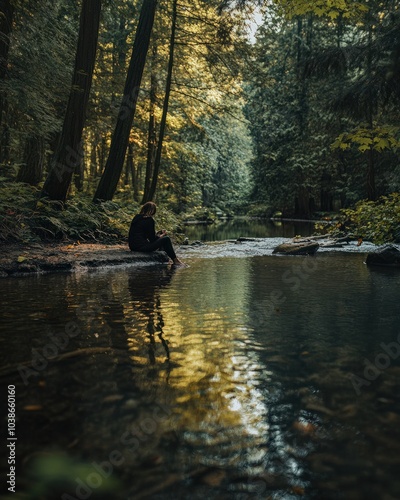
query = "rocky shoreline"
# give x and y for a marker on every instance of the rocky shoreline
(386, 256)
(28, 260)
(17, 260)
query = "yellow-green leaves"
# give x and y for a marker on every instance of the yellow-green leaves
(376, 221)
(364, 138)
(329, 8)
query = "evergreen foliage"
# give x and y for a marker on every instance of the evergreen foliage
(303, 120)
(323, 104)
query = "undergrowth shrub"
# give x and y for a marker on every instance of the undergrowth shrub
(376, 221)
(25, 219)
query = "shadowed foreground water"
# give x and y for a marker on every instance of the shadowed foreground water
(233, 378)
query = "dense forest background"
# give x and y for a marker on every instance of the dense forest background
(107, 104)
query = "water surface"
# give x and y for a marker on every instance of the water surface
(249, 228)
(233, 378)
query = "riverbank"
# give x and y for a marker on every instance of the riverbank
(25, 260)
(18, 260)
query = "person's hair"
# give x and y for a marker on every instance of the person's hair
(148, 209)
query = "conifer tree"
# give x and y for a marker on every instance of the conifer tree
(69, 153)
(120, 139)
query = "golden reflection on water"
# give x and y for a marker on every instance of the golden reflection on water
(212, 382)
(265, 398)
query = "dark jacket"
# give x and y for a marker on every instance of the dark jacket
(141, 232)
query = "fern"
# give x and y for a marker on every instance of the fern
(25, 219)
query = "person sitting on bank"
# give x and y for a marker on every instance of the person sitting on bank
(143, 237)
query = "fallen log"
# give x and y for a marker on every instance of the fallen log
(329, 237)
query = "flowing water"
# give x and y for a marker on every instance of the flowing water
(242, 376)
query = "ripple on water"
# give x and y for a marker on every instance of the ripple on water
(201, 377)
(260, 247)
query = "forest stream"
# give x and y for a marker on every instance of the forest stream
(244, 375)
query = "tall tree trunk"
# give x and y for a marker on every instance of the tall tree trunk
(120, 50)
(127, 172)
(304, 38)
(32, 169)
(163, 122)
(69, 153)
(119, 143)
(133, 172)
(152, 138)
(371, 189)
(303, 202)
(52, 144)
(326, 198)
(93, 156)
(79, 175)
(122, 46)
(6, 21)
(102, 154)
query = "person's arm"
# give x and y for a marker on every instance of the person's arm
(151, 234)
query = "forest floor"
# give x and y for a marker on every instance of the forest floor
(18, 260)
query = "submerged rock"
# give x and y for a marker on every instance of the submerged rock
(388, 256)
(297, 248)
(242, 239)
(193, 243)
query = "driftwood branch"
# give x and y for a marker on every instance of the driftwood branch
(332, 239)
(87, 351)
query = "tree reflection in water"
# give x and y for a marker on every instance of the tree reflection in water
(145, 286)
(204, 388)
